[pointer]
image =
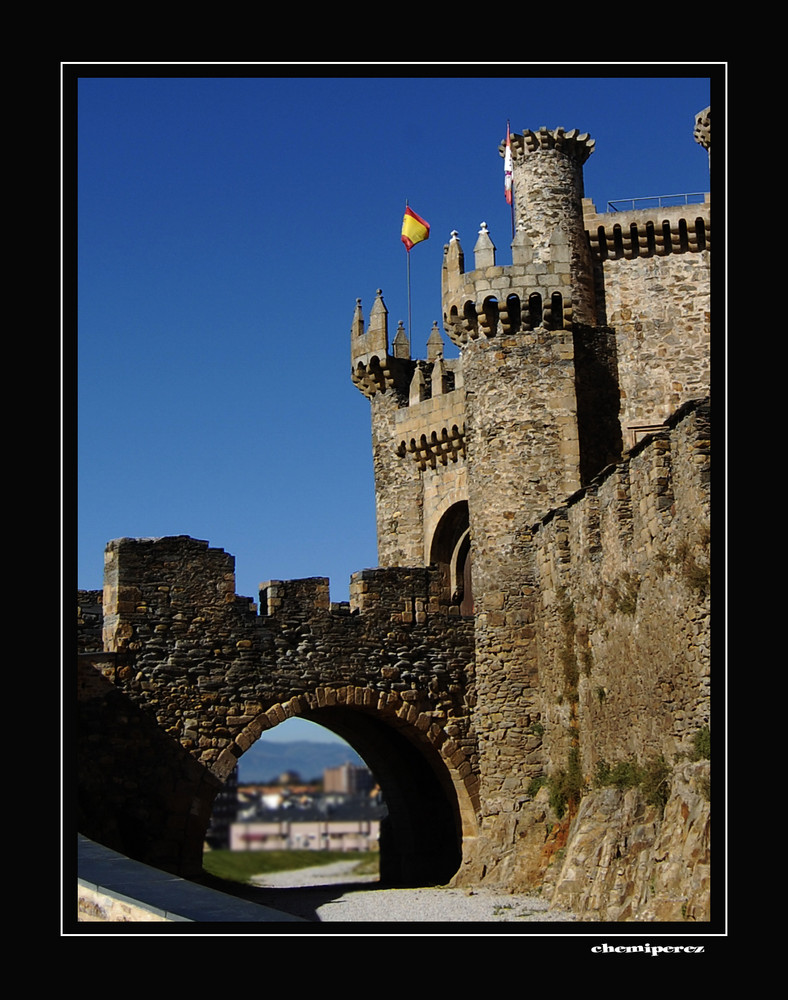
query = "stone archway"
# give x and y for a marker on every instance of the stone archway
(451, 550)
(423, 775)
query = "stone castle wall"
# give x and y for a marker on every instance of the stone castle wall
(209, 664)
(654, 290)
(624, 581)
(610, 664)
(605, 642)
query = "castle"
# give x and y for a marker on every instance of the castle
(538, 628)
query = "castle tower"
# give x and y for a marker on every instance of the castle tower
(551, 279)
(490, 439)
(547, 174)
(418, 441)
(470, 453)
(518, 327)
(524, 335)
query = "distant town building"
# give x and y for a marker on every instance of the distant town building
(347, 779)
(345, 816)
(303, 834)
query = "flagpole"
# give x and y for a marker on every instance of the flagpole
(410, 327)
(414, 230)
(508, 178)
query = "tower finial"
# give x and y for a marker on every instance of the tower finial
(435, 343)
(484, 251)
(357, 326)
(401, 344)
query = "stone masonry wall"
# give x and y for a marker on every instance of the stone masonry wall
(653, 287)
(620, 658)
(208, 664)
(522, 458)
(624, 580)
(659, 308)
(193, 663)
(90, 620)
(399, 503)
(430, 437)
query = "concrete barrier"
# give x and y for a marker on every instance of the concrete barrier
(114, 889)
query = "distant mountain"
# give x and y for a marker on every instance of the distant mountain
(264, 762)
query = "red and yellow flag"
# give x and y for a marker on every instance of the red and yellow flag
(414, 229)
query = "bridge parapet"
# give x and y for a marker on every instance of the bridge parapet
(193, 673)
(406, 595)
(301, 597)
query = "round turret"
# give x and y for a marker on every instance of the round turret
(548, 205)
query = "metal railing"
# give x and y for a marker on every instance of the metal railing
(656, 201)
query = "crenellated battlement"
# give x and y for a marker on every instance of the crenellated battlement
(432, 427)
(375, 370)
(300, 598)
(575, 144)
(650, 232)
(494, 300)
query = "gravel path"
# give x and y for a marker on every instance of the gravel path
(332, 893)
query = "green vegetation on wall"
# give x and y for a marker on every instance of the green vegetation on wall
(652, 778)
(701, 744)
(567, 785)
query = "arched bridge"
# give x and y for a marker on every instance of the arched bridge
(188, 676)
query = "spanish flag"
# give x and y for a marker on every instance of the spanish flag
(414, 229)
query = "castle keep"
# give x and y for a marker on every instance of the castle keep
(540, 616)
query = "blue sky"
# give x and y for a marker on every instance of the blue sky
(227, 222)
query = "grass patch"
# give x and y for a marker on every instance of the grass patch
(240, 866)
(652, 778)
(701, 745)
(567, 786)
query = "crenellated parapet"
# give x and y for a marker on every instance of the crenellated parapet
(374, 370)
(550, 281)
(369, 349)
(441, 445)
(573, 144)
(494, 300)
(650, 232)
(431, 429)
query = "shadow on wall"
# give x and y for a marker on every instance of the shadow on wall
(139, 791)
